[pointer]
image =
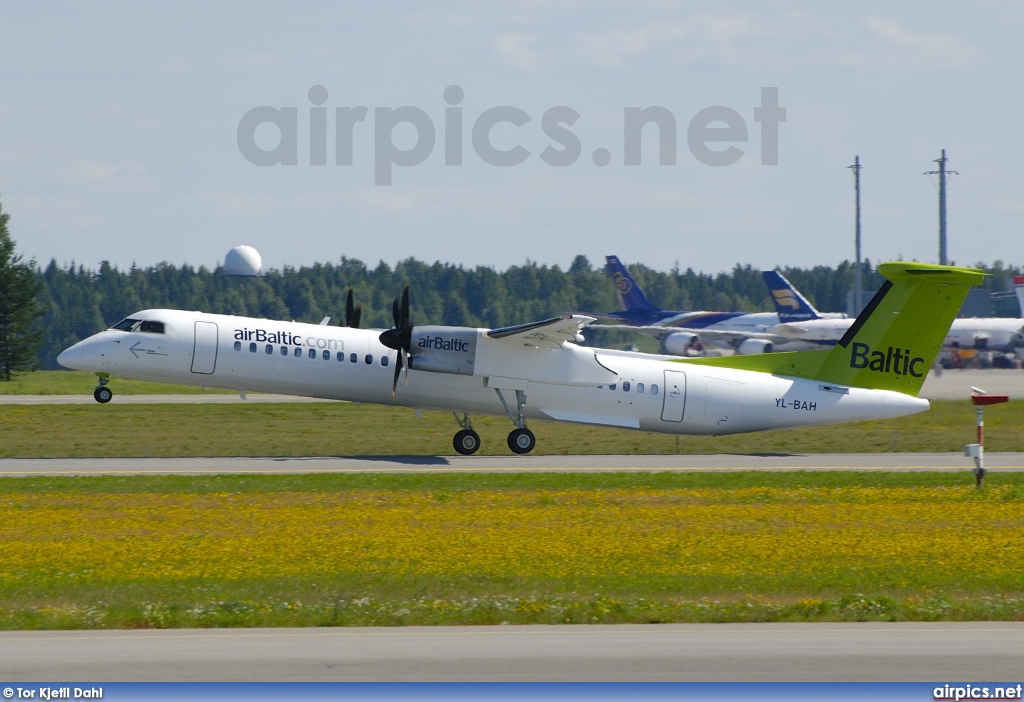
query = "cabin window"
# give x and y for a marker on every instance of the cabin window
(252, 347)
(152, 327)
(126, 324)
(383, 360)
(312, 353)
(369, 358)
(298, 352)
(238, 346)
(327, 355)
(612, 387)
(640, 388)
(270, 349)
(353, 358)
(654, 389)
(284, 350)
(625, 386)
(341, 356)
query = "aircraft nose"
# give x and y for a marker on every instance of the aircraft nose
(74, 357)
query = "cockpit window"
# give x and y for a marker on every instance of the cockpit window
(152, 327)
(131, 324)
(127, 324)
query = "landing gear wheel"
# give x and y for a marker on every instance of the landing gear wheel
(102, 394)
(521, 441)
(466, 442)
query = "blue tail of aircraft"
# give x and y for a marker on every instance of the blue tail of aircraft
(631, 297)
(789, 303)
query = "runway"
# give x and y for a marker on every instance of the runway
(20, 467)
(933, 651)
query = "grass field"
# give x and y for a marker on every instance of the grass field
(342, 429)
(458, 549)
(323, 550)
(82, 383)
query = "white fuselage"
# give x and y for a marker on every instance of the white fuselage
(639, 391)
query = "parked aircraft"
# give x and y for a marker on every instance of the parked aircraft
(538, 371)
(685, 333)
(989, 333)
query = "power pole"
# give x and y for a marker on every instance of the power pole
(857, 288)
(942, 173)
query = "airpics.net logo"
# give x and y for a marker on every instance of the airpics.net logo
(712, 134)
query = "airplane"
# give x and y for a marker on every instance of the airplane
(988, 333)
(684, 333)
(539, 371)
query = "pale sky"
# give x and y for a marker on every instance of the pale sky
(119, 129)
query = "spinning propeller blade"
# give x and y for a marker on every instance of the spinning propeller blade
(353, 312)
(399, 337)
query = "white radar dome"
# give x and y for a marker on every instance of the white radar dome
(243, 260)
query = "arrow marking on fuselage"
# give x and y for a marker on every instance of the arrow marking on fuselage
(136, 351)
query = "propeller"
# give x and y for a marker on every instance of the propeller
(353, 312)
(399, 337)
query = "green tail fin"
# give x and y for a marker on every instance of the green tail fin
(893, 342)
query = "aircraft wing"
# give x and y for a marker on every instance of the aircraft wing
(548, 334)
(732, 338)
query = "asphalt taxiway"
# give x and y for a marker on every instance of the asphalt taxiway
(507, 464)
(927, 651)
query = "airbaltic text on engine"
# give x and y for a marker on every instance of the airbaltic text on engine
(441, 344)
(898, 361)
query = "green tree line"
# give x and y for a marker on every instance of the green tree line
(78, 302)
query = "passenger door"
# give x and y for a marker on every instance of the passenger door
(204, 352)
(675, 396)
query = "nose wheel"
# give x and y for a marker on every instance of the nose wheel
(102, 393)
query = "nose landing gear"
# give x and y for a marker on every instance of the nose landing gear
(102, 393)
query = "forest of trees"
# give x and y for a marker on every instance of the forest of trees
(78, 302)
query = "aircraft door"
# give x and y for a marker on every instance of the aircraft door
(675, 396)
(204, 353)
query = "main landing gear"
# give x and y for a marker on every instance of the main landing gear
(466, 441)
(102, 393)
(520, 440)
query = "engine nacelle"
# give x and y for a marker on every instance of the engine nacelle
(443, 349)
(752, 346)
(682, 344)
